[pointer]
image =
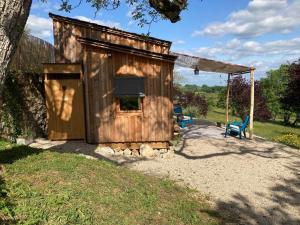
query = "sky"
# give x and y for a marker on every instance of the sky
(259, 33)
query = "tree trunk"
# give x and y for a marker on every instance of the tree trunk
(13, 17)
(286, 118)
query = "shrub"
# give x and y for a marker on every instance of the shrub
(192, 110)
(186, 99)
(290, 139)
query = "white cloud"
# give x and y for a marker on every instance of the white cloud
(235, 49)
(262, 55)
(260, 17)
(109, 23)
(39, 26)
(42, 27)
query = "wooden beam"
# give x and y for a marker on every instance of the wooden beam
(227, 99)
(251, 103)
(127, 49)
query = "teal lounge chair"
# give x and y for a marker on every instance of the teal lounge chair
(182, 120)
(237, 128)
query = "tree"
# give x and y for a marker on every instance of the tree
(274, 87)
(291, 97)
(190, 99)
(241, 100)
(14, 15)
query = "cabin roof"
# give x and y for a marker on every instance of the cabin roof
(111, 30)
(126, 49)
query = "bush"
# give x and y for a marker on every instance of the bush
(187, 99)
(289, 139)
(192, 110)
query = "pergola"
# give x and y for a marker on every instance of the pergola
(208, 65)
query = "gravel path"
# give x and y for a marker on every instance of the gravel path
(250, 182)
(258, 181)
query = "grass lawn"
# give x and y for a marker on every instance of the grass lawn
(44, 187)
(268, 130)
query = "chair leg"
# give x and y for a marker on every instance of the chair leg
(240, 134)
(245, 133)
(225, 132)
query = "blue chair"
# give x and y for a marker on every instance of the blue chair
(182, 120)
(237, 127)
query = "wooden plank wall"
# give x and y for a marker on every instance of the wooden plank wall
(65, 104)
(67, 49)
(105, 123)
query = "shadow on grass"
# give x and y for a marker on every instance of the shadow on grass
(14, 153)
(8, 155)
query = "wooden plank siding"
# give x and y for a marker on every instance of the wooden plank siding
(64, 101)
(67, 49)
(152, 124)
(76, 42)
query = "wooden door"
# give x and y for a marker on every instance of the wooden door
(65, 106)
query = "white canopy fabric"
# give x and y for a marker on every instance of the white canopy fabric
(209, 65)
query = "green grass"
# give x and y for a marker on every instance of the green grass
(44, 187)
(268, 130)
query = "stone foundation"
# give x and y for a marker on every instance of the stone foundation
(145, 151)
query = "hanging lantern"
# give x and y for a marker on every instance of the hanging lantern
(196, 71)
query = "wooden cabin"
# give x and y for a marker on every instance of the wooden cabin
(108, 86)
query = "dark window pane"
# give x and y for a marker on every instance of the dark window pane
(129, 86)
(63, 76)
(129, 103)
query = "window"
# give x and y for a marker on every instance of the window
(129, 86)
(130, 103)
(63, 76)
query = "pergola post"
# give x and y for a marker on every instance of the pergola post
(251, 103)
(227, 99)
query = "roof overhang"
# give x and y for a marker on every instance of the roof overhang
(126, 49)
(209, 65)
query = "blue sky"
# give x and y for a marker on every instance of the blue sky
(259, 33)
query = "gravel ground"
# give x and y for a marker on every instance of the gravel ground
(248, 181)
(253, 182)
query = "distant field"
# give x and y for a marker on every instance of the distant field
(268, 130)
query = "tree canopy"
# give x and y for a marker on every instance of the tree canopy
(144, 11)
(273, 87)
(14, 15)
